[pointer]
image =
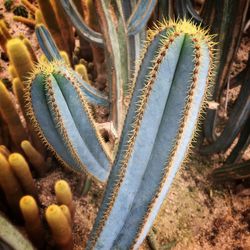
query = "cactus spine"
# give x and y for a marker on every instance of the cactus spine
(33, 223)
(171, 84)
(60, 228)
(22, 171)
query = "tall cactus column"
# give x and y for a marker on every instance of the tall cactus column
(166, 102)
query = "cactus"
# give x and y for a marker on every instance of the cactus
(82, 71)
(22, 171)
(8, 4)
(20, 58)
(36, 158)
(30, 49)
(60, 228)
(67, 213)
(64, 195)
(20, 10)
(66, 124)
(4, 151)
(65, 57)
(29, 6)
(12, 237)
(10, 185)
(11, 117)
(12, 71)
(33, 223)
(39, 17)
(27, 21)
(170, 88)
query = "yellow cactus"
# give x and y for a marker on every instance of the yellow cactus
(12, 71)
(11, 117)
(60, 228)
(29, 6)
(27, 21)
(30, 49)
(10, 185)
(39, 17)
(5, 30)
(33, 223)
(22, 171)
(35, 158)
(81, 70)
(4, 151)
(65, 57)
(64, 194)
(66, 211)
(20, 58)
(18, 90)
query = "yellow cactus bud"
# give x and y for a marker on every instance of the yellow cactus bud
(81, 70)
(65, 57)
(22, 171)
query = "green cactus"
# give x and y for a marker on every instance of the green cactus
(167, 98)
(20, 10)
(8, 4)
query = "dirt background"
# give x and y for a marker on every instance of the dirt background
(197, 214)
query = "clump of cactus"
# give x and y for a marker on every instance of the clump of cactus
(8, 4)
(20, 10)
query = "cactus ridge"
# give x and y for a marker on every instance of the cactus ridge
(76, 140)
(184, 98)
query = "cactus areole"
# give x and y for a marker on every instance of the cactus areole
(167, 97)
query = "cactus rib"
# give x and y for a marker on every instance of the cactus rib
(170, 102)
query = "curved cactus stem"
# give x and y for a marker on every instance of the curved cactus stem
(62, 117)
(52, 53)
(140, 16)
(165, 105)
(82, 28)
(12, 237)
(47, 43)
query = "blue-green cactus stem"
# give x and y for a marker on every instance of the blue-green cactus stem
(52, 53)
(167, 98)
(63, 119)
